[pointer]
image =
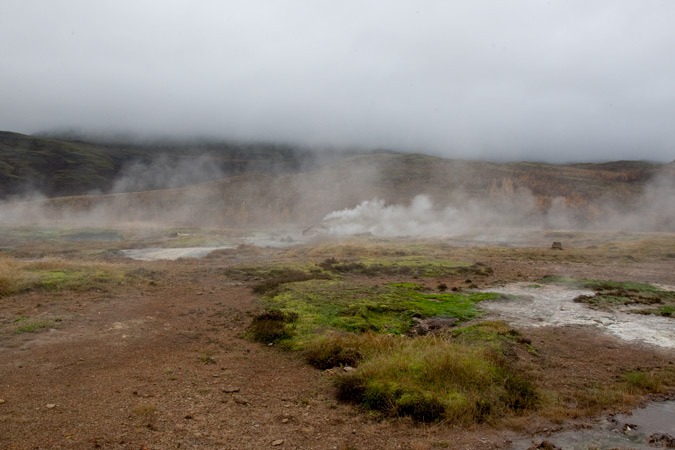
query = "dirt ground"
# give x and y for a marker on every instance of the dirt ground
(168, 366)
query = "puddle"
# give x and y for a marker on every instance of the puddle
(154, 254)
(553, 305)
(258, 239)
(653, 418)
(86, 236)
(631, 431)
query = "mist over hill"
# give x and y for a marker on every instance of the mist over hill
(245, 185)
(62, 163)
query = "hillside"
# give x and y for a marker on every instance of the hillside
(71, 166)
(513, 193)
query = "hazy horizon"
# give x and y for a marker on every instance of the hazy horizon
(556, 81)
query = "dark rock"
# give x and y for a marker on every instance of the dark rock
(544, 445)
(662, 440)
(423, 327)
(556, 245)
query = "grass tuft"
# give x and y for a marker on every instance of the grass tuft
(55, 275)
(273, 326)
(431, 379)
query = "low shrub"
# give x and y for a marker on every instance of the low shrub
(643, 381)
(276, 278)
(431, 379)
(334, 349)
(273, 326)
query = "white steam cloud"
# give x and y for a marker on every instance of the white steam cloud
(653, 211)
(166, 173)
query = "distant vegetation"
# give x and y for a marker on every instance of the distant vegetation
(69, 165)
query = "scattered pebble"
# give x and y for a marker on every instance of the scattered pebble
(284, 420)
(277, 442)
(2, 400)
(240, 400)
(230, 390)
(348, 368)
(50, 405)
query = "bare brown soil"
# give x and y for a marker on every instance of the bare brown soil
(169, 366)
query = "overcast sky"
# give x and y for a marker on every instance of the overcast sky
(507, 80)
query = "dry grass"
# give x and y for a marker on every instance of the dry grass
(57, 274)
(628, 391)
(430, 379)
(13, 277)
(144, 410)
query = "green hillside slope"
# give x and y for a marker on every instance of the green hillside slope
(57, 167)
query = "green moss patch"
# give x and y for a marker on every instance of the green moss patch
(352, 307)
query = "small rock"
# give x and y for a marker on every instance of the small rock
(277, 443)
(2, 400)
(240, 400)
(423, 327)
(545, 445)
(50, 405)
(230, 390)
(284, 420)
(271, 344)
(628, 427)
(556, 245)
(348, 369)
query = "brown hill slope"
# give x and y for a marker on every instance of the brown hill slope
(523, 189)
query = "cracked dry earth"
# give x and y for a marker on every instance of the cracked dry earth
(168, 366)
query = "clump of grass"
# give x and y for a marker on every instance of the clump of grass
(667, 311)
(30, 325)
(13, 277)
(273, 326)
(33, 326)
(638, 381)
(334, 349)
(404, 266)
(344, 349)
(57, 275)
(628, 390)
(431, 379)
(495, 333)
(278, 277)
(207, 358)
(144, 410)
